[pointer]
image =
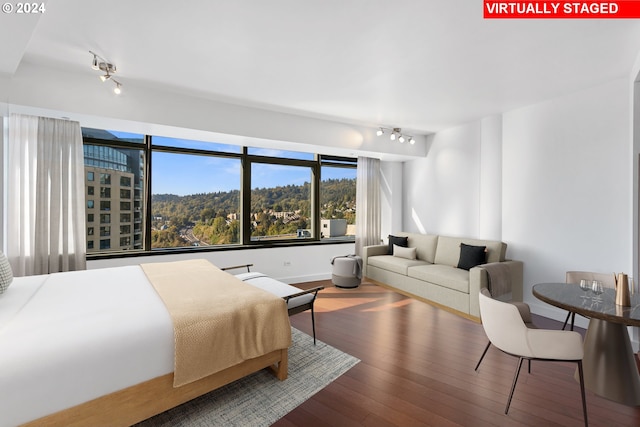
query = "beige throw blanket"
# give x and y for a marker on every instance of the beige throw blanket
(218, 320)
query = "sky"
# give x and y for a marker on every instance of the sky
(184, 174)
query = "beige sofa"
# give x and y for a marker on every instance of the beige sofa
(434, 275)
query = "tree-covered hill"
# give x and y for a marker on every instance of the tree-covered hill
(213, 217)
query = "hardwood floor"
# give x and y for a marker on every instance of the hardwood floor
(417, 365)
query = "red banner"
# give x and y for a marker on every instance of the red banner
(622, 9)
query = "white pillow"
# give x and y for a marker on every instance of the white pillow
(6, 275)
(408, 253)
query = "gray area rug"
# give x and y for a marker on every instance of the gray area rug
(260, 399)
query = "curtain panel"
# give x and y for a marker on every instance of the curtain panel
(367, 203)
(46, 228)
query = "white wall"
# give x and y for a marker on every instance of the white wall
(390, 198)
(490, 203)
(553, 180)
(303, 264)
(567, 186)
(456, 189)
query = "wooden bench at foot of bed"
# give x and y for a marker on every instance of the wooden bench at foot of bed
(144, 400)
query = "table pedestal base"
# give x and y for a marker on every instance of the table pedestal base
(609, 364)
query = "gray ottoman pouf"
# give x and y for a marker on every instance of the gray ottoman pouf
(347, 271)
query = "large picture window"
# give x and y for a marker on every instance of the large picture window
(168, 193)
(195, 200)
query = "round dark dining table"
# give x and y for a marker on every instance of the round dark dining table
(610, 368)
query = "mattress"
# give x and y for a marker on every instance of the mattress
(67, 338)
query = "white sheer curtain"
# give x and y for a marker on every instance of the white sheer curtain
(45, 196)
(367, 203)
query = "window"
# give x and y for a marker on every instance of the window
(196, 199)
(89, 217)
(267, 152)
(90, 204)
(105, 231)
(89, 245)
(338, 199)
(90, 231)
(193, 196)
(116, 158)
(90, 190)
(213, 147)
(280, 211)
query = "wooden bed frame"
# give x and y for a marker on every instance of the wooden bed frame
(144, 400)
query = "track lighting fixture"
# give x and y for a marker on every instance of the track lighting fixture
(109, 69)
(396, 133)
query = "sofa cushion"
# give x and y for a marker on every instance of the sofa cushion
(425, 245)
(393, 263)
(397, 240)
(443, 275)
(408, 253)
(470, 256)
(448, 249)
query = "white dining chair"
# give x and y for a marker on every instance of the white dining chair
(506, 330)
(525, 314)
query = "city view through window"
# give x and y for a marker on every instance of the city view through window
(196, 194)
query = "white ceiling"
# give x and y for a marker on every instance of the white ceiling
(420, 65)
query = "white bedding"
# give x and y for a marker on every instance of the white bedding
(67, 338)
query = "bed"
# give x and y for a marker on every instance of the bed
(98, 347)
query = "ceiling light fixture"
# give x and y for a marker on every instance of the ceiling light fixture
(396, 133)
(101, 64)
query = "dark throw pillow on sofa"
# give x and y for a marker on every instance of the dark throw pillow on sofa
(470, 256)
(396, 240)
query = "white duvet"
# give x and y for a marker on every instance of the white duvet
(67, 338)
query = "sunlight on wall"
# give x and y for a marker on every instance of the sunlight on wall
(417, 222)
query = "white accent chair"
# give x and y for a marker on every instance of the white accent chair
(608, 281)
(525, 314)
(507, 331)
